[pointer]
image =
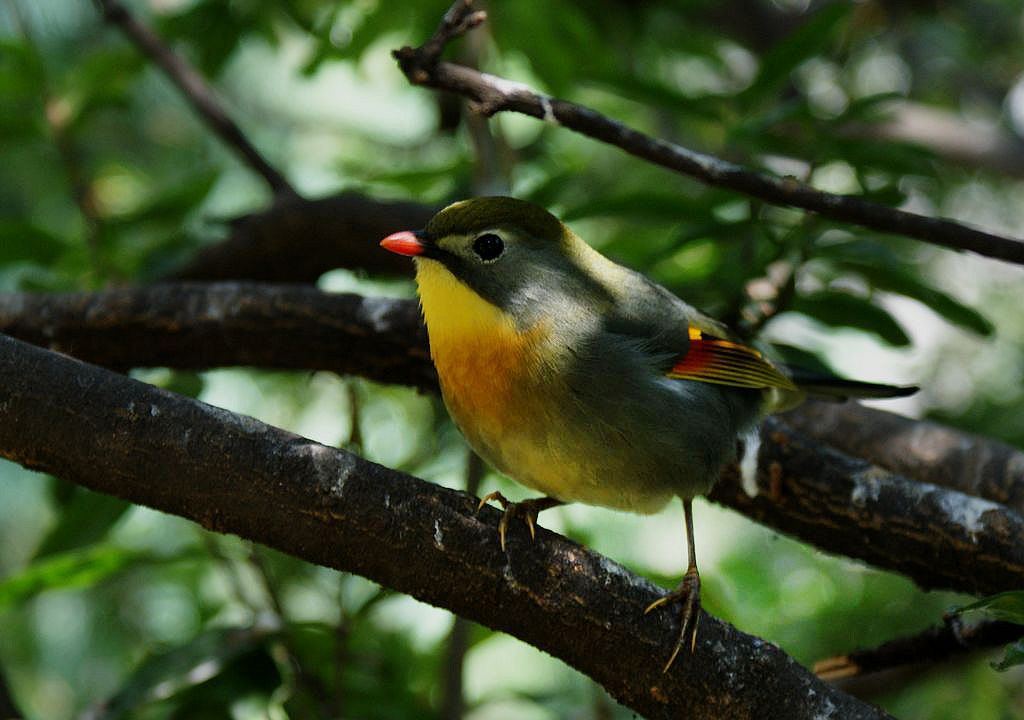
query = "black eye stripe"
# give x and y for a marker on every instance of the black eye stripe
(488, 247)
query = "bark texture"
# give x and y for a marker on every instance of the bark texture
(234, 474)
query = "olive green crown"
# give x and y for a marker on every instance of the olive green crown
(468, 216)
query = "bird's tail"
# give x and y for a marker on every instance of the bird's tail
(829, 387)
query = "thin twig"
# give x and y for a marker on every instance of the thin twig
(227, 565)
(460, 19)
(779, 286)
(936, 644)
(8, 708)
(303, 680)
(494, 94)
(282, 651)
(81, 186)
(195, 89)
(492, 166)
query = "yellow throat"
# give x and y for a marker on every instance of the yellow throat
(484, 361)
(456, 315)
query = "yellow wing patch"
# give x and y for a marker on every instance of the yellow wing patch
(713, 359)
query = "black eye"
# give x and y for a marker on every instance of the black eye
(488, 247)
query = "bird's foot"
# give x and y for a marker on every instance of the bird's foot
(688, 592)
(526, 509)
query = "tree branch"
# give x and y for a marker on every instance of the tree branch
(298, 240)
(199, 326)
(330, 232)
(936, 644)
(939, 537)
(196, 91)
(923, 450)
(234, 474)
(494, 94)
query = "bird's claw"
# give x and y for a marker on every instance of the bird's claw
(688, 592)
(526, 509)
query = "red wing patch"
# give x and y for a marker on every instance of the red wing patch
(712, 359)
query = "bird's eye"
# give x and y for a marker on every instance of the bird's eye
(488, 247)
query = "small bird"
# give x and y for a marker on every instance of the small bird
(582, 379)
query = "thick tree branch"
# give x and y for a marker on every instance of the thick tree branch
(938, 537)
(199, 326)
(196, 91)
(494, 94)
(234, 474)
(923, 450)
(298, 240)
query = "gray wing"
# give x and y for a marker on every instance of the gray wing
(649, 313)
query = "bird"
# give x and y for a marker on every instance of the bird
(581, 378)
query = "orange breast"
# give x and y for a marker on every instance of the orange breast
(486, 382)
(490, 369)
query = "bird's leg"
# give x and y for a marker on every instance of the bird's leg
(688, 591)
(527, 510)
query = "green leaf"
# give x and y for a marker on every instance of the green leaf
(74, 569)
(1013, 656)
(200, 660)
(423, 181)
(373, 24)
(858, 250)
(640, 88)
(21, 112)
(33, 277)
(25, 241)
(183, 382)
(170, 204)
(868, 108)
(884, 271)
(103, 79)
(901, 158)
(945, 305)
(560, 44)
(809, 40)
(839, 309)
(85, 519)
(213, 30)
(1008, 606)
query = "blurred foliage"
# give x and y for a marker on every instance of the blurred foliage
(115, 611)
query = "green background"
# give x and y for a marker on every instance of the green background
(100, 602)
